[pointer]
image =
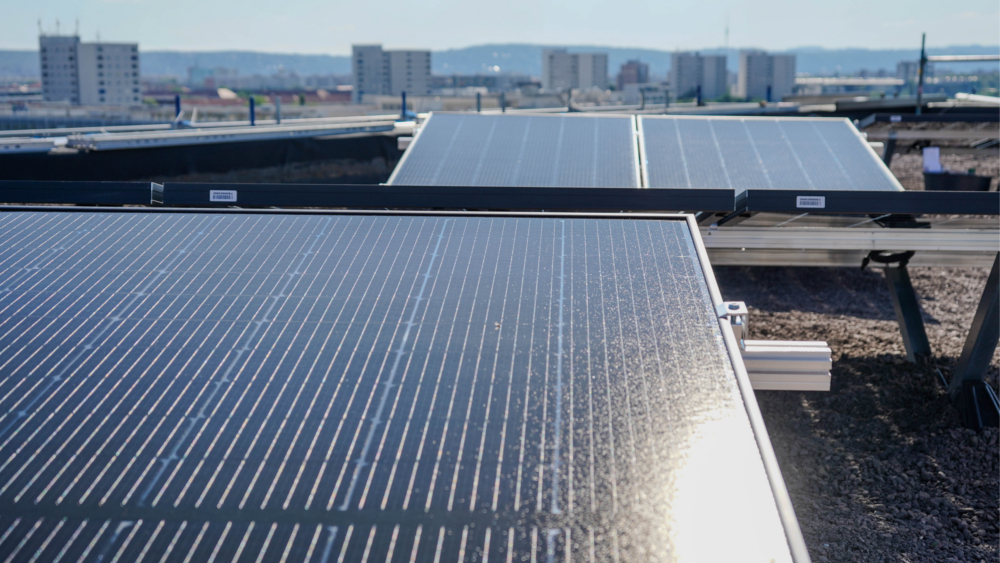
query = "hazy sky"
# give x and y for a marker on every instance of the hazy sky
(331, 26)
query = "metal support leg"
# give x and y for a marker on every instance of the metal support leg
(889, 149)
(911, 324)
(975, 400)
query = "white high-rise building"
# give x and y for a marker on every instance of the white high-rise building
(91, 74)
(410, 72)
(389, 72)
(690, 70)
(758, 70)
(562, 69)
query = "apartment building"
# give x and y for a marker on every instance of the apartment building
(89, 74)
(760, 70)
(381, 72)
(632, 72)
(562, 69)
(688, 71)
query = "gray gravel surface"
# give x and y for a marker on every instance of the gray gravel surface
(879, 468)
(909, 167)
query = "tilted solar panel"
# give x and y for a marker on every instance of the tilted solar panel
(744, 153)
(569, 151)
(337, 387)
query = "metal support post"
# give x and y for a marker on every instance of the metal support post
(277, 109)
(177, 106)
(889, 149)
(768, 93)
(975, 400)
(402, 109)
(479, 102)
(697, 96)
(920, 73)
(907, 306)
(503, 103)
(253, 116)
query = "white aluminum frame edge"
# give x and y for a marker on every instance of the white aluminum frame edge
(643, 161)
(416, 139)
(640, 177)
(786, 512)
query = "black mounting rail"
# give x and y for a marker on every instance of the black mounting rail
(873, 202)
(376, 196)
(80, 193)
(991, 117)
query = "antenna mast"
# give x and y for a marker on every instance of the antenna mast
(727, 30)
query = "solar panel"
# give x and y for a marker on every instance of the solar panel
(522, 150)
(759, 153)
(345, 387)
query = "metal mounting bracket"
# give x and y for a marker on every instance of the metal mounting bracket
(775, 364)
(739, 317)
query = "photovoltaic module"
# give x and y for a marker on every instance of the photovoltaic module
(346, 387)
(522, 151)
(773, 153)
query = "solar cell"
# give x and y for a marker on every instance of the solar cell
(522, 150)
(759, 153)
(345, 387)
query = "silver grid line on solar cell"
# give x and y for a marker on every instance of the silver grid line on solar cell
(565, 151)
(399, 387)
(780, 153)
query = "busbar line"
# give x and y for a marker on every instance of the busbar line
(395, 403)
(357, 383)
(473, 496)
(458, 373)
(364, 368)
(466, 352)
(510, 379)
(557, 425)
(527, 383)
(390, 382)
(413, 405)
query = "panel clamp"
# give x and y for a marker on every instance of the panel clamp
(739, 318)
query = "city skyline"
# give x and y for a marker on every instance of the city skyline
(311, 26)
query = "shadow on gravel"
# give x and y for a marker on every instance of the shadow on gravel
(842, 291)
(879, 468)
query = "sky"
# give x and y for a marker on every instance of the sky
(331, 26)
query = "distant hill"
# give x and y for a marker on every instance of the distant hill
(516, 58)
(521, 58)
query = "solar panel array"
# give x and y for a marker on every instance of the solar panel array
(759, 153)
(522, 150)
(267, 387)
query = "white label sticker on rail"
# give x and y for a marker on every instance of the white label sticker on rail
(227, 196)
(810, 202)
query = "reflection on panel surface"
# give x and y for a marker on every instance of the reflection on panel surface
(240, 387)
(522, 150)
(760, 153)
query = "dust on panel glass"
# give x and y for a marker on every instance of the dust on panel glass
(323, 387)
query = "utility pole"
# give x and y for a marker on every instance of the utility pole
(920, 73)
